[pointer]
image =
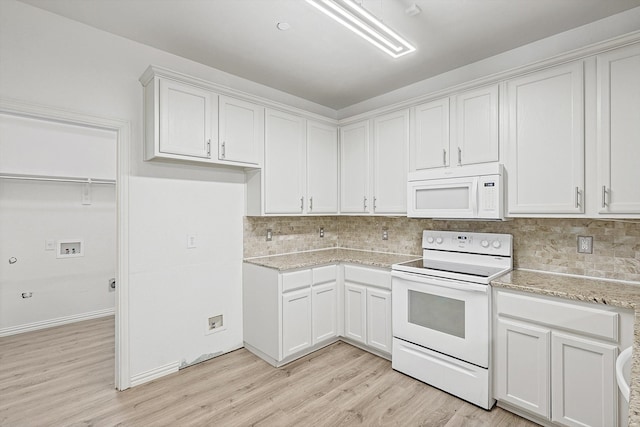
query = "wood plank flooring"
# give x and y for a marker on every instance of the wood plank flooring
(64, 376)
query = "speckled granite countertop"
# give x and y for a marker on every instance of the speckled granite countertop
(586, 289)
(330, 256)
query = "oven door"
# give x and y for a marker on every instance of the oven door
(444, 315)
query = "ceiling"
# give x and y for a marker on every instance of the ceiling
(319, 60)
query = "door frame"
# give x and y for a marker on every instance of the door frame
(122, 128)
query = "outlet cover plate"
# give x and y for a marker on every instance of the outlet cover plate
(585, 244)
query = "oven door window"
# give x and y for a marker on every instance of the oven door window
(442, 314)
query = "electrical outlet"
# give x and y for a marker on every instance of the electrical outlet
(269, 235)
(385, 234)
(215, 322)
(321, 231)
(585, 244)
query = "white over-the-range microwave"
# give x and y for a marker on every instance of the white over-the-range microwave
(473, 192)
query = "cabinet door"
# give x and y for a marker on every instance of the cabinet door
(296, 321)
(546, 142)
(284, 167)
(619, 131)
(241, 131)
(390, 147)
(355, 312)
(322, 168)
(354, 168)
(325, 315)
(188, 119)
(477, 126)
(583, 382)
(379, 319)
(522, 366)
(430, 147)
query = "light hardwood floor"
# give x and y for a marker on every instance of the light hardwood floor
(64, 376)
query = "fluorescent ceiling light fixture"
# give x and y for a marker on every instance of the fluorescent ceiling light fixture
(360, 21)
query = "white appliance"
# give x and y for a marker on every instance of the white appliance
(442, 311)
(467, 192)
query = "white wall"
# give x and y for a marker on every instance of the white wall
(62, 289)
(50, 60)
(32, 212)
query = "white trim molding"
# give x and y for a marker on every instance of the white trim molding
(155, 373)
(123, 131)
(50, 323)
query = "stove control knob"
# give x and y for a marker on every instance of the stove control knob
(484, 243)
(429, 239)
(496, 244)
(439, 240)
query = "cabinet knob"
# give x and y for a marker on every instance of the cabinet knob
(310, 203)
(459, 156)
(208, 148)
(224, 150)
(444, 157)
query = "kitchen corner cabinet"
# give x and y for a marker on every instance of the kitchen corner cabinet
(555, 359)
(284, 163)
(354, 168)
(390, 162)
(367, 307)
(546, 145)
(618, 139)
(241, 131)
(186, 120)
(289, 314)
(456, 131)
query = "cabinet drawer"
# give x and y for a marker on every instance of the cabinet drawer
(296, 280)
(324, 274)
(572, 317)
(367, 276)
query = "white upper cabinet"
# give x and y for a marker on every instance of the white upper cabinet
(431, 135)
(188, 120)
(476, 136)
(390, 160)
(285, 165)
(322, 168)
(241, 131)
(545, 147)
(618, 190)
(354, 168)
(456, 131)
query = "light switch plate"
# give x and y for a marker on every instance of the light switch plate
(49, 245)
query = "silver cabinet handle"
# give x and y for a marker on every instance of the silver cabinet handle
(577, 197)
(311, 203)
(224, 149)
(444, 157)
(208, 148)
(459, 155)
(365, 203)
(604, 196)
(375, 203)
(302, 203)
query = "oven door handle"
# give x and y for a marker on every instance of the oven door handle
(440, 282)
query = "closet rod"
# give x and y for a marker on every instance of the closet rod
(57, 179)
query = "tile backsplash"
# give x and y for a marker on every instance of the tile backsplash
(539, 243)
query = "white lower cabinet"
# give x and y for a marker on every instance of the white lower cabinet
(296, 321)
(367, 307)
(522, 361)
(554, 360)
(289, 314)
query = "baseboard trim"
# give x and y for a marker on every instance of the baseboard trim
(13, 330)
(155, 373)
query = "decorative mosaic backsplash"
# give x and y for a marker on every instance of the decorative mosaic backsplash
(539, 243)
